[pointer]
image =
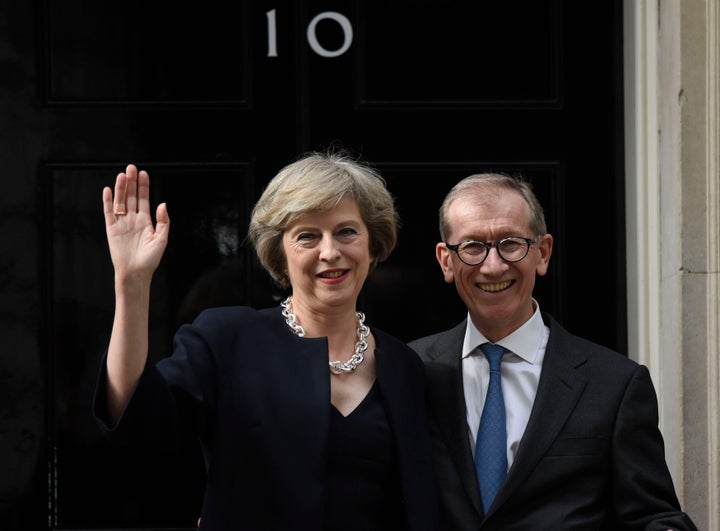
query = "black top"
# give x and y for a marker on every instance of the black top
(258, 398)
(363, 480)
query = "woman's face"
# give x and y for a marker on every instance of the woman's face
(328, 257)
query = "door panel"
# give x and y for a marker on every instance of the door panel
(213, 101)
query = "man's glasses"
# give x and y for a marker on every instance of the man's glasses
(511, 249)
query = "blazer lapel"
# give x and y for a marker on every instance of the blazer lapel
(447, 406)
(560, 387)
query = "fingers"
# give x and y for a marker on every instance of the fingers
(120, 206)
(131, 196)
(143, 192)
(108, 207)
(131, 189)
(132, 192)
(126, 190)
(162, 227)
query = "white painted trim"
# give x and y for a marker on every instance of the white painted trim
(641, 180)
(712, 186)
(672, 131)
(652, 301)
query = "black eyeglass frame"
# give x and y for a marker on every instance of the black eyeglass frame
(490, 245)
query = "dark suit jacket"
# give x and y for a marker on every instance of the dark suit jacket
(258, 397)
(591, 457)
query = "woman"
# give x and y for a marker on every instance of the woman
(308, 418)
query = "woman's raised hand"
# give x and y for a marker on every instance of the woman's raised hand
(136, 246)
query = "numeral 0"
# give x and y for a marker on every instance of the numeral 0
(342, 20)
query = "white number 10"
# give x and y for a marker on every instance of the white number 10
(311, 36)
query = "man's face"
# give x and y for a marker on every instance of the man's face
(498, 294)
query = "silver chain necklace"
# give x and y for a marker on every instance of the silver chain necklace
(336, 367)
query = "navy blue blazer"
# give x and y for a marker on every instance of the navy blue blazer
(591, 458)
(258, 397)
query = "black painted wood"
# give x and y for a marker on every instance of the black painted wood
(212, 105)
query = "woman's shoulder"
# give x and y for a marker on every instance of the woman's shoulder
(387, 342)
(235, 317)
(386, 338)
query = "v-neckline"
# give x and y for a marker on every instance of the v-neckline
(356, 408)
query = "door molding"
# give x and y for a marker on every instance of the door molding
(672, 130)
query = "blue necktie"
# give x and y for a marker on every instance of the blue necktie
(491, 444)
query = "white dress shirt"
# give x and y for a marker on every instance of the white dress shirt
(520, 374)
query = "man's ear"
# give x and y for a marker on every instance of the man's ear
(442, 253)
(545, 246)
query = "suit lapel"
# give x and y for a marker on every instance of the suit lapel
(561, 385)
(447, 406)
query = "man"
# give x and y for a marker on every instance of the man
(579, 445)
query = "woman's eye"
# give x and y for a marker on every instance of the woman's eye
(305, 237)
(347, 231)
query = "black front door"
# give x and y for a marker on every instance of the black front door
(212, 100)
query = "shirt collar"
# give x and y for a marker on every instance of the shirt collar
(523, 342)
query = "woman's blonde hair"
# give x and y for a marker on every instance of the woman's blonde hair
(316, 183)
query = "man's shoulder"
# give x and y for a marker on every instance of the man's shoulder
(422, 343)
(425, 346)
(566, 342)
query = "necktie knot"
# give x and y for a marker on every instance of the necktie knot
(494, 354)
